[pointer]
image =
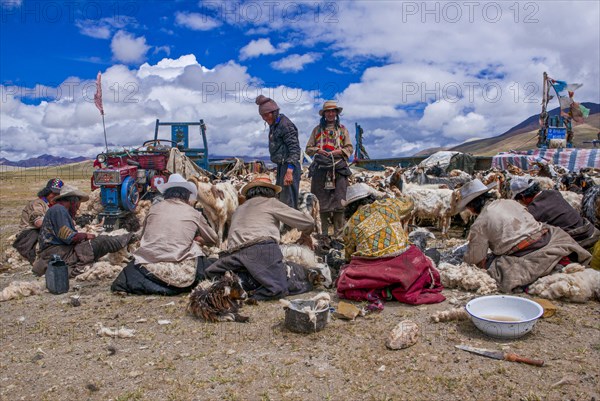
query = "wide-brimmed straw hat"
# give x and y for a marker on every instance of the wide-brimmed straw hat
(470, 191)
(261, 180)
(70, 190)
(359, 191)
(330, 105)
(520, 184)
(176, 180)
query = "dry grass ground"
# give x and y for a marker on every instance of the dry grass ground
(50, 350)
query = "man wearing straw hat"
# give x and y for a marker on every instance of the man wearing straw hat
(58, 236)
(169, 260)
(523, 249)
(331, 146)
(284, 149)
(32, 217)
(253, 244)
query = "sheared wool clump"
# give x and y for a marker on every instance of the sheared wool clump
(113, 332)
(12, 258)
(290, 237)
(450, 315)
(93, 205)
(100, 271)
(580, 286)
(467, 277)
(20, 289)
(299, 254)
(141, 209)
(453, 242)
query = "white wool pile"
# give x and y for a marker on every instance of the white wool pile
(573, 199)
(20, 289)
(113, 332)
(450, 315)
(454, 242)
(467, 277)
(93, 205)
(290, 237)
(581, 286)
(299, 254)
(141, 210)
(99, 271)
(12, 257)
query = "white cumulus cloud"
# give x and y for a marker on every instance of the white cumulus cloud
(196, 21)
(128, 49)
(295, 62)
(261, 47)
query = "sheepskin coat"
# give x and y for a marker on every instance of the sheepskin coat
(502, 225)
(167, 249)
(259, 217)
(34, 210)
(550, 207)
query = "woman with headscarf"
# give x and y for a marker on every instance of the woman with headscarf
(331, 147)
(382, 263)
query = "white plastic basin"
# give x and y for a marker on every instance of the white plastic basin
(504, 316)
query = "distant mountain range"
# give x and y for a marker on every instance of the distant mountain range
(523, 136)
(43, 160)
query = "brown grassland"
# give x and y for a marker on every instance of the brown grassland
(50, 350)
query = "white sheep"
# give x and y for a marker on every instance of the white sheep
(218, 202)
(432, 203)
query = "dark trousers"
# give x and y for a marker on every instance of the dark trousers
(136, 279)
(289, 193)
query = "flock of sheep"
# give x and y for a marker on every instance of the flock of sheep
(433, 191)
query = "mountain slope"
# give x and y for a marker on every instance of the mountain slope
(523, 136)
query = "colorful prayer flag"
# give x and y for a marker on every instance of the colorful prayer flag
(565, 102)
(98, 95)
(559, 86)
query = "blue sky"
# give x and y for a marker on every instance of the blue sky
(413, 74)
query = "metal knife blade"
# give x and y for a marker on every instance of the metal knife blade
(481, 351)
(501, 355)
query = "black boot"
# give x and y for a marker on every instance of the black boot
(325, 223)
(105, 244)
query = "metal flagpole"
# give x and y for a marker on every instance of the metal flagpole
(104, 127)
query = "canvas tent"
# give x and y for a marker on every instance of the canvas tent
(448, 161)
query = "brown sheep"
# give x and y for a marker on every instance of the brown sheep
(219, 301)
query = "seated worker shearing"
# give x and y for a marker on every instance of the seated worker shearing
(58, 236)
(550, 207)
(169, 260)
(383, 265)
(523, 249)
(32, 217)
(253, 251)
